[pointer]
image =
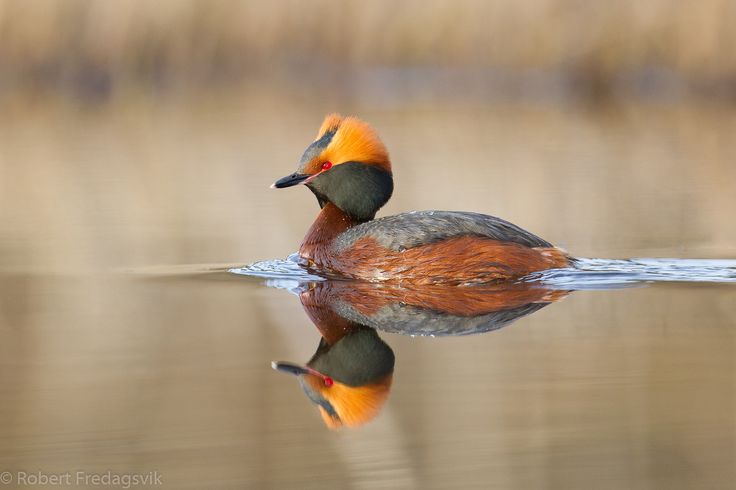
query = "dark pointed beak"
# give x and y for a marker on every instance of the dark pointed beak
(289, 180)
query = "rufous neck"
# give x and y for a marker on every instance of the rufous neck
(330, 222)
(318, 303)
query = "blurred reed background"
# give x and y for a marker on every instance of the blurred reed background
(200, 105)
(140, 136)
(465, 48)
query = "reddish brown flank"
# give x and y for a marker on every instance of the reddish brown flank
(369, 298)
(454, 261)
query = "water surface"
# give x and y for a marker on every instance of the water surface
(120, 352)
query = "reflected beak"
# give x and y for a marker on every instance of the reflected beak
(290, 180)
(291, 368)
(297, 370)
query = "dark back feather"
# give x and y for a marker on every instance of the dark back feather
(409, 230)
(411, 320)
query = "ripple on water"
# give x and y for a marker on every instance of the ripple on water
(279, 273)
(614, 273)
(587, 273)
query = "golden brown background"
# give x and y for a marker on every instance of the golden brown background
(138, 138)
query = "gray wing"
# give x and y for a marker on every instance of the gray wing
(408, 230)
(410, 320)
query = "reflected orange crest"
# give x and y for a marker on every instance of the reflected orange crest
(355, 405)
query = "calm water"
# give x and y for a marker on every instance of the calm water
(126, 346)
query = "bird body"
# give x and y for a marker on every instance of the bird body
(348, 169)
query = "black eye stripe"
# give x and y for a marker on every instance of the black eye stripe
(318, 399)
(326, 138)
(316, 148)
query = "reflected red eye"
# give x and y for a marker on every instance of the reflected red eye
(326, 165)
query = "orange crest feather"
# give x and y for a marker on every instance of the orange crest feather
(355, 405)
(331, 122)
(354, 141)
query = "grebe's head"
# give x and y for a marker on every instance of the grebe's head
(350, 380)
(346, 165)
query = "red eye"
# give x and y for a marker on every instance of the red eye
(326, 165)
(328, 381)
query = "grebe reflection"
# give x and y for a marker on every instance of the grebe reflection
(349, 376)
